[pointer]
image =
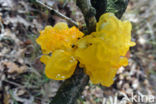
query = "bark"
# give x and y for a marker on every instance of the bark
(71, 89)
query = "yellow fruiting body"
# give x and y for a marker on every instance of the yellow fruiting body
(58, 37)
(103, 52)
(58, 40)
(60, 65)
(100, 53)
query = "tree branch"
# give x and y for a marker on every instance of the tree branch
(89, 14)
(58, 13)
(71, 88)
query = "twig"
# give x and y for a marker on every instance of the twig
(151, 31)
(58, 13)
(2, 30)
(23, 100)
(14, 83)
(2, 27)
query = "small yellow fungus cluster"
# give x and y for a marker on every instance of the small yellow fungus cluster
(58, 40)
(100, 53)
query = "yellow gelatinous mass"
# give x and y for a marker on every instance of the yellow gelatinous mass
(104, 51)
(60, 65)
(58, 37)
(58, 40)
(100, 53)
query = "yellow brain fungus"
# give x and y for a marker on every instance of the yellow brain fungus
(101, 53)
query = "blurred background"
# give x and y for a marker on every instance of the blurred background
(22, 79)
